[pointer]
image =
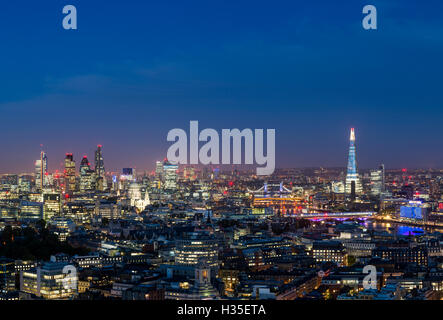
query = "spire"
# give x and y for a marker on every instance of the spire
(352, 138)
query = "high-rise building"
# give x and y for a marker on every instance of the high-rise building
(128, 174)
(100, 169)
(194, 246)
(99, 163)
(414, 210)
(87, 182)
(159, 172)
(24, 184)
(51, 205)
(378, 180)
(352, 184)
(41, 171)
(323, 251)
(7, 274)
(30, 210)
(69, 173)
(61, 226)
(170, 171)
(38, 175)
(49, 281)
(107, 209)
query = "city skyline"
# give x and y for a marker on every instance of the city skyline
(351, 163)
(242, 153)
(308, 70)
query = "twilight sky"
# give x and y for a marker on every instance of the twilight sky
(136, 69)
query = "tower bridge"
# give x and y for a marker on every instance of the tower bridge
(284, 203)
(277, 196)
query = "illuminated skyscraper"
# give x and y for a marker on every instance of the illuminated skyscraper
(41, 170)
(86, 176)
(69, 173)
(352, 184)
(100, 169)
(170, 176)
(7, 275)
(128, 174)
(378, 181)
(51, 205)
(194, 246)
(46, 281)
(159, 174)
(159, 170)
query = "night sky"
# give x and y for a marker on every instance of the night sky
(136, 69)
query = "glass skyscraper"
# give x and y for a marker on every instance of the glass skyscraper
(41, 170)
(352, 179)
(100, 169)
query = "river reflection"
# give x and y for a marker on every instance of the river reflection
(399, 229)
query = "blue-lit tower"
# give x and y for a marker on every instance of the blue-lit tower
(352, 184)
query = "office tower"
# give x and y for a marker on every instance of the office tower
(195, 246)
(107, 209)
(403, 255)
(215, 173)
(9, 182)
(41, 171)
(353, 184)
(69, 173)
(30, 210)
(87, 182)
(49, 281)
(414, 210)
(170, 171)
(159, 171)
(323, 251)
(45, 174)
(38, 175)
(128, 174)
(61, 226)
(337, 187)
(115, 183)
(24, 184)
(382, 170)
(378, 180)
(434, 189)
(7, 274)
(100, 169)
(145, 180)
(159, 175)
(99, 163)
(51, 205)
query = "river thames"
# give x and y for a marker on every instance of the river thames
(398, 228)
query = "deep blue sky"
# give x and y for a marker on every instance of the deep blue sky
(136, 69)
